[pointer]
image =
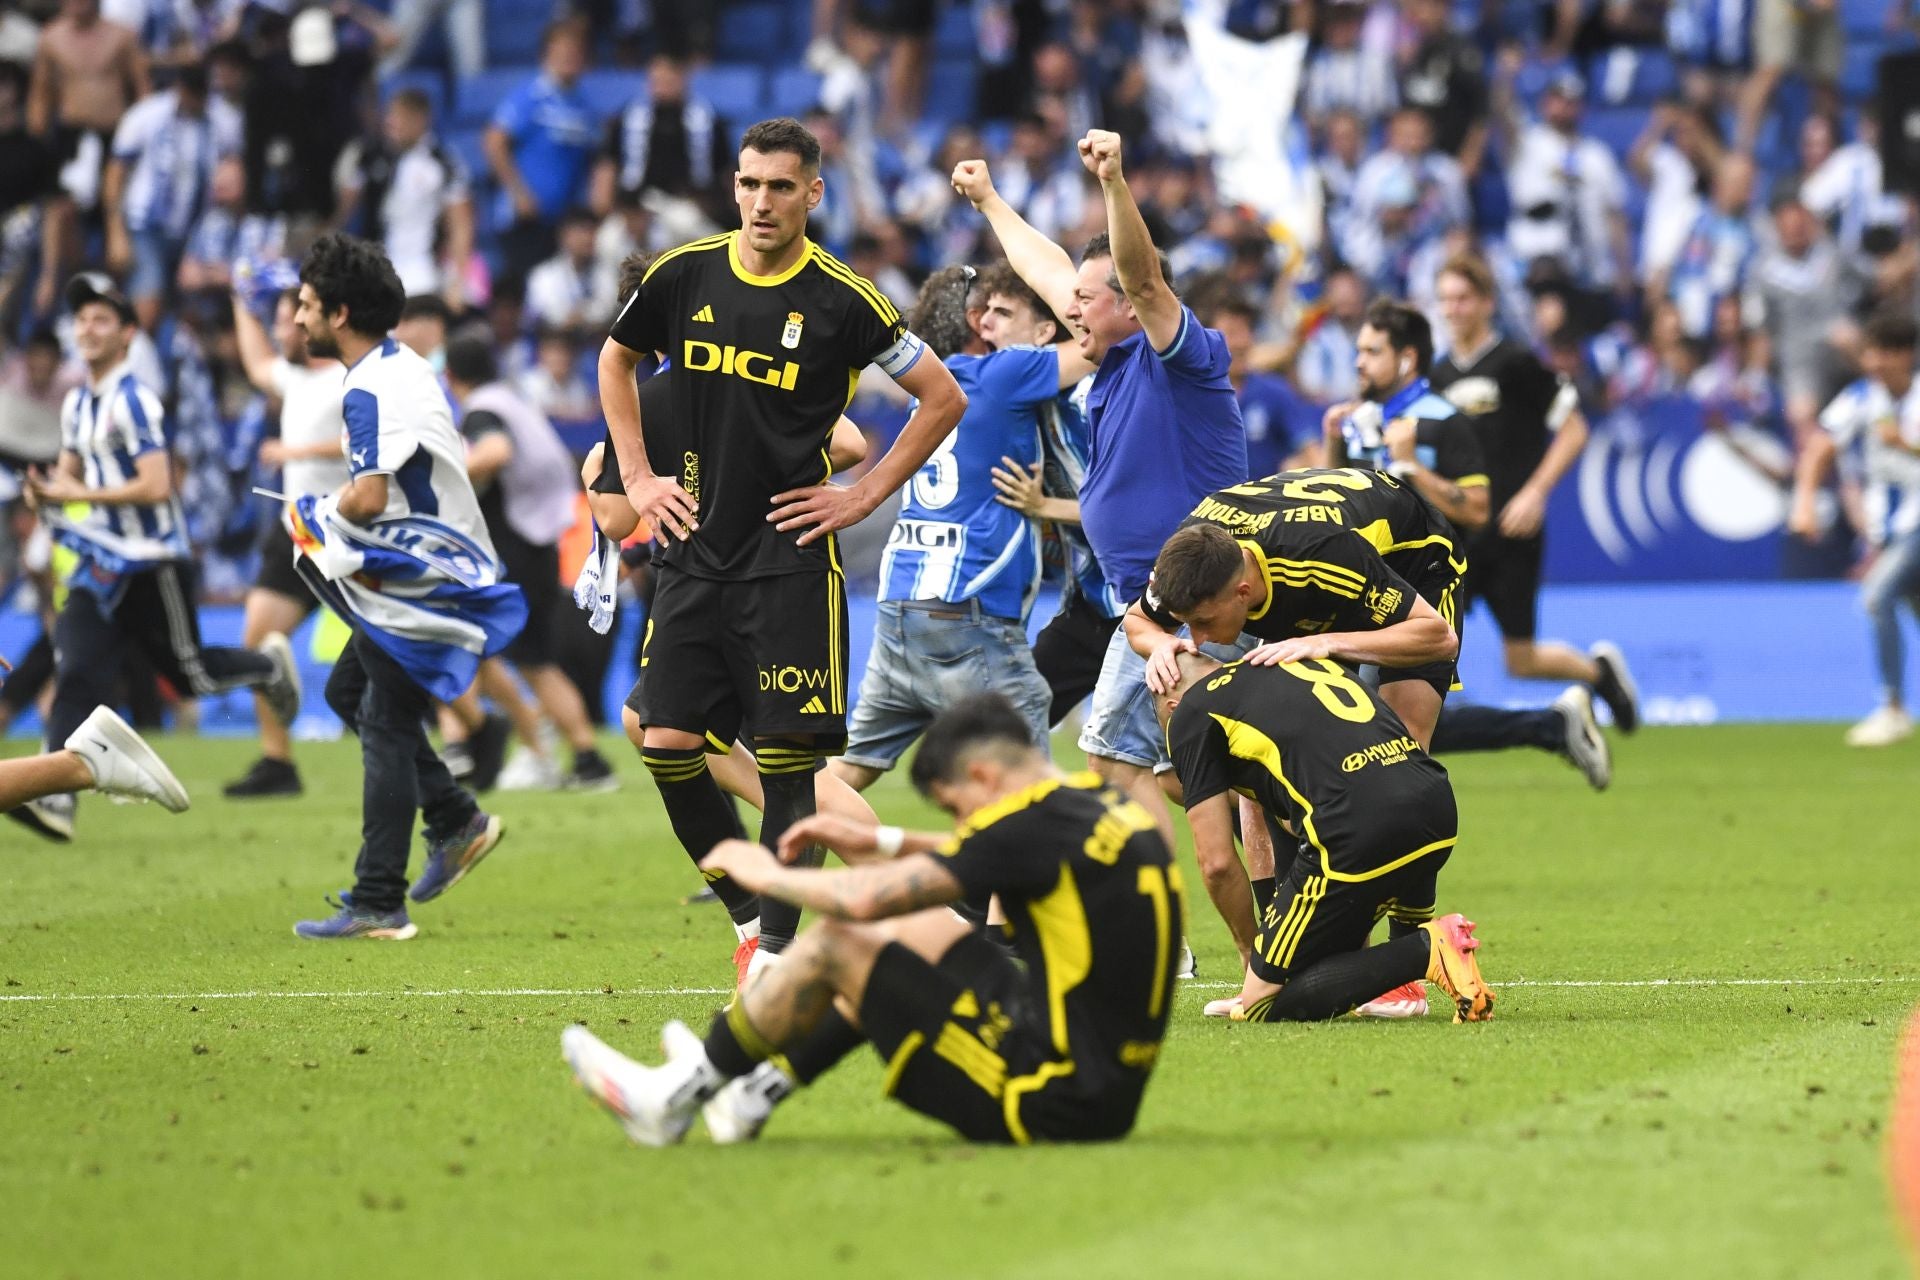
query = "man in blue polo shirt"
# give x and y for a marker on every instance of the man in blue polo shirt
(1165, 427)
(539, 144)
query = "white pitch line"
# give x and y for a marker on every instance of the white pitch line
(655, 992)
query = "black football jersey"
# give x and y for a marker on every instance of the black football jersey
(1344, 549)
(762, 369)
(1514, 403)
(1313, 745)
(1095, 904)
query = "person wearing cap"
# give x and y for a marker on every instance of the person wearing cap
(134, 580)
(1569, 196)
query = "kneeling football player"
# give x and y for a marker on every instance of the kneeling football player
(1058, 1051)
(1375, 817)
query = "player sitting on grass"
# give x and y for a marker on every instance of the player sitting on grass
(1376, 818)
(1059, 1050)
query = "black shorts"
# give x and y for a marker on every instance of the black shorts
(961, 1048)
(1436, 576)
(536, 571)
(895, 17)
(1505, 572)
(1314, 916)
(1069, 652)
(766, 652)
(277, 573)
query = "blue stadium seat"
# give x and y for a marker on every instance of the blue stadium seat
(1533, 76)
(792, 91)
(952, 88)
(1863, 17)
(735, 90)
(431, 83)
(1859, 74)
(467, 145)
(1638, 77)
(1616, 126)
(514, 29)
(478, 96)
(607, 92)
(758, 32)
(953, 36)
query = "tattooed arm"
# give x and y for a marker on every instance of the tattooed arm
(877, 891)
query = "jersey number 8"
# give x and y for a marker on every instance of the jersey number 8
(1338, 692)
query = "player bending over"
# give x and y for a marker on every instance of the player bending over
(1060, 1050)
(1376, 820)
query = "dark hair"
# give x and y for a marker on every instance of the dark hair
(560, 27)
(1473, 269)
(556, 333)
(1892, 330)
(414, 100)
(578, 215)
(229, 51)
(939, 314)
(784, 133)
(427, 306)
(1231, 304)
(470, 362)
(44, 337)
(346, 271)
(980, 721)
(1002, 279)
(1406, 330)
(1101, 246)
(1197, 564)
(633, 271)
(192, 78)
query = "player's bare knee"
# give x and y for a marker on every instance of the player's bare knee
(654, 736)
(636, 732)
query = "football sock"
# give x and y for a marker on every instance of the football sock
(786, 778)
(1465, 726)
(1262, 898)
(701, 816)
(831, 1039)
(735, 1048)
(1338, 983)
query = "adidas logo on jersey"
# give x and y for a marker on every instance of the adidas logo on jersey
(814, 707)
(704, 315)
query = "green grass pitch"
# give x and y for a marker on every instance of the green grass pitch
(186, 1090)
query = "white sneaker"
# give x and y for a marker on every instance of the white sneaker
(655, 1105)
(1220, 1008)
(1408, 1000)
(1189, 965)
(528, 771)
(1585, 745)
(123, 765)
(1883, 728)
(740, 1110)
(762, 959)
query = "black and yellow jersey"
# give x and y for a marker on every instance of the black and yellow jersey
(1095, 906)
(763, 366)
(1314, 746)
(1343, 549)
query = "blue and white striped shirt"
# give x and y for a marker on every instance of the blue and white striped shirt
(108, 424)
(170, 160)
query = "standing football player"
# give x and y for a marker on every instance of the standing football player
(768, 334)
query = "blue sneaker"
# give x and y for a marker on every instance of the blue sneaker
(353, 922)
(449, 860)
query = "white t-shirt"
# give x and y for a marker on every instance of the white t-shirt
(427, 180)
(310, 414)
(1564, 191)
(399, 423)
(1890, 477)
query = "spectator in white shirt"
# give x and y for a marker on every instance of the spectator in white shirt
(1338, 164)
(554, 385)
(1323, 370)
(1847, 191)
(1440, 186)
(573, 288)
(410, 194)
(1569, 196)
(1674, 159)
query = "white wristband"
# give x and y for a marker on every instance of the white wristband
(887, 841)
(1402, 468)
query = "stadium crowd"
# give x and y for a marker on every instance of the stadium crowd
(1676, 198)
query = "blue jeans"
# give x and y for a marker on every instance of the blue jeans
(1895, 576)
(1121, 724)
(922, 663)
(156, 259)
